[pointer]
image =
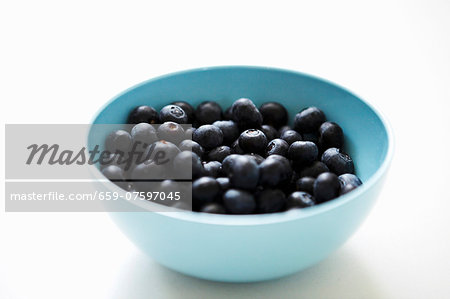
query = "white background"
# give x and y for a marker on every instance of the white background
(60, 61)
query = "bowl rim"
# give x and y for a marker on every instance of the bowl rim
(256, 219)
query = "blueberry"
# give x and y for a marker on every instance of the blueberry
(228, 162)
(330, 135)
(239, 202)
(183, 162)
(308, 120)
(310, 137)
(283, 129)
(277, 147)
(274, 114)
(192, 146)
(173, 113)
(188, 132)
(208, 136)
(243, 173)
(274, 170)
(214, 208)
(270, 132)
(253, 141)
(113, 159)
(326, 187)
(208, 112)
(168, 186)
(113, 173)
(162, 152)
(314, 169)
(219, 153)
(236, 149)
(188, 109)
(119, 140)
(229, 130)
(227, 115)
(143, 134)
(270, 201)
(143, 172)
(245, 114)
(205, 189)
(143, 114)
(305, 184)
(171, 131)
(303, 152)
(337, 161)
(347, 188)
(258, 159)
(224, 183)
(290, 136)
(348, 178)
(212, 168)
(300, 199)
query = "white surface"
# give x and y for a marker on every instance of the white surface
(61, 61)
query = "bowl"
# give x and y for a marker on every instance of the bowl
(248, 248)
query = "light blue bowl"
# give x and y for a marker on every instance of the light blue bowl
(245, 248)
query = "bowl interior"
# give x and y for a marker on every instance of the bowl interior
(366, 134)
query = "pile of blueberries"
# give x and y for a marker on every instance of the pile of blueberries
(244, 160)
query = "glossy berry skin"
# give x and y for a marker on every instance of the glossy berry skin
(349, 178)
(305, 184)
(310, 137)
(188, 132)
(236, 149)
(337, 161)
(173, 113)
(183, 162)
(300, 200)
(224, 183)
(171, 131)
(212, 168)
(119, 140)
(243, 173)
(229, 130)
(191, 146)
(314, 169)
(113, 173)
(208, 136)
(188, 109)
(213, 208)
(326, 187)
(277, 147)
(303, 152)
(162, 152)
(208, 112)
(219, 153)
(228, 162)
(270, 132)
(143, 134)
(347, 188)
(205, 189)
(253, 141)
(143, 114)
(283, 129)
(274, 114)
(270, 201)
(239, 202)
(308, 120)
(330, 135)
(274, 171)
(258, 159)
(227, 115)
(246, 115)
(148, 170)
(290, 136)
